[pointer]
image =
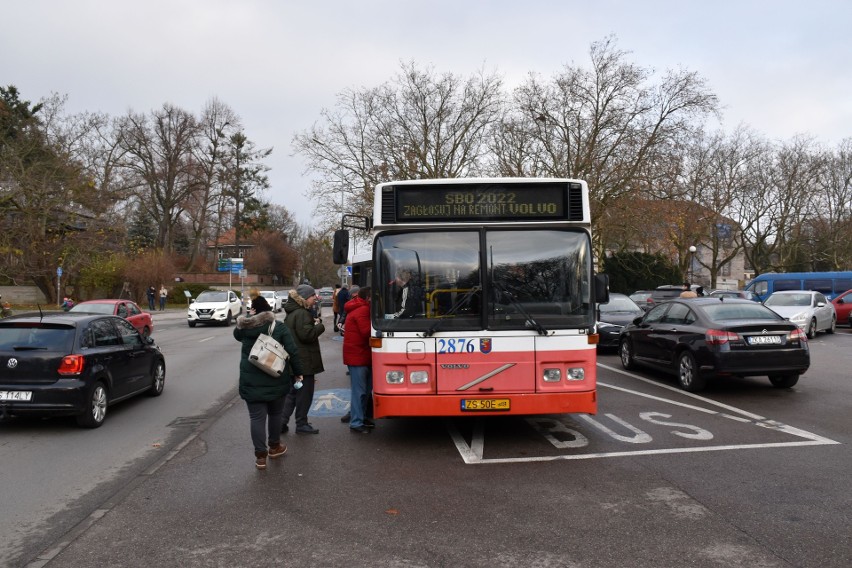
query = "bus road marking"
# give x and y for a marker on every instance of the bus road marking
(473, 452)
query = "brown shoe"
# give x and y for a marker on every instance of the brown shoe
(260, 461)
(277, 450)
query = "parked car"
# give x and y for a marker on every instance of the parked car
(77, 364)
(326, 296)
(745, 294)
(810, 310)
(643, 299)
(214, 306)
(843, 307)
(122, 308)
(700, 338)
(666, 292)
(613, 316)
(275, 301)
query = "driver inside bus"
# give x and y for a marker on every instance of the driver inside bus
(407, 295)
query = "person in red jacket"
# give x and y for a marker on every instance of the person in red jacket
(358, 357)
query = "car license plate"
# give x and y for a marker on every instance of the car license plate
(485, 404)
(16, 395)
(764, 340)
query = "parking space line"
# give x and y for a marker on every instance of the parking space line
(473, 453)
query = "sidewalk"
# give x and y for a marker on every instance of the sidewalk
(205, 504)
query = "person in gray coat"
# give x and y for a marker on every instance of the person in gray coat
(306, 330)
(264, 394)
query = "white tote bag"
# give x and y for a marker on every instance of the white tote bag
(268, 355)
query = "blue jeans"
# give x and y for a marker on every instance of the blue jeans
(362, 390)
(266, 420)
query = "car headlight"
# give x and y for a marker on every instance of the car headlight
(801, 317)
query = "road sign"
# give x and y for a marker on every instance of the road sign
(342, 271)
(59, 271)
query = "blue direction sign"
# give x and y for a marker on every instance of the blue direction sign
(59, 271)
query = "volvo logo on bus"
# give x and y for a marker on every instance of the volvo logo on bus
(456, 366)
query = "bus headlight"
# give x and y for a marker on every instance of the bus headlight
(394, 377)
(576, 374)
(552, 375)
(419, 377)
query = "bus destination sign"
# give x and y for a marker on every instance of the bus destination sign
(481, 202)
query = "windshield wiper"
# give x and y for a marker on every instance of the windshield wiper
(461, 301)
(514, 301)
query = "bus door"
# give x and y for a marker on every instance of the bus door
(485, 365)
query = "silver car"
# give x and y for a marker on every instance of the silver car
(811, 311)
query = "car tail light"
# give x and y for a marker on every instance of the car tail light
(797, 335)
(720, 337)
(71, 365)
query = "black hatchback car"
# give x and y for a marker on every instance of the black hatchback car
(74, 364)
(699, 338)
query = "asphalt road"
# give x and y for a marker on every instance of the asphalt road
(740, 475)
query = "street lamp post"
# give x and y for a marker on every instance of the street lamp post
(691, 271)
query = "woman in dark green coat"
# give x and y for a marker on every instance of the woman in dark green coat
(264, 394)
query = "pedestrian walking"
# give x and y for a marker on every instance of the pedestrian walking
(357, 355)
(164, 293)
(306, 330)
(264, 394)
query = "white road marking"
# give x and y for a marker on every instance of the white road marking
(473, 453)
(206, 339)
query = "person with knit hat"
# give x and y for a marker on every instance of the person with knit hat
(306, 330)
(264, 394)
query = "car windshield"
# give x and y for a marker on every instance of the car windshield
(618, 304)
(98, 308)
(738, 311)
(789, 300)
(24, 336)
(268, 294)
(214, 296)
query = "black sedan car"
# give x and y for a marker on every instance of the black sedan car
(699, 338)
(612, 317)
(74, 364)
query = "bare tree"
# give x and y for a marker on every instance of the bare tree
(418, 125)
(204, 205)
(609, 125)
(159, 155)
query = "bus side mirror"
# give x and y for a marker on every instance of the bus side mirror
(601, 288)
(340, 250)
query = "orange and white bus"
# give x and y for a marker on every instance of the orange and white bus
(483, 297)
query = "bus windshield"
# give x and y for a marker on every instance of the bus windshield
(483, 278)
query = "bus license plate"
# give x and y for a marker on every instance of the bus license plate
(485, 404)
(16, 395)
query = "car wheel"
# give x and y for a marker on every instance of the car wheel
(146, 331)
(96, 407)
(687, 373)
(626, 353)
(812, 329)
(229, 318)
(159, 381)
(191, 323)
(783, 381)
(833, 325)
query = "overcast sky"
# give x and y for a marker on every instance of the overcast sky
(782, 67)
